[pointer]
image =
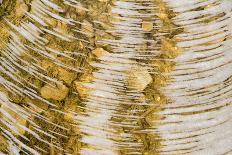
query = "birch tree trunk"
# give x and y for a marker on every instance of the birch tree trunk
(115, 77)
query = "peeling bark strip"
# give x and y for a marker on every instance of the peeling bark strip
(200, 88)
(105, 77)
(123, 96)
